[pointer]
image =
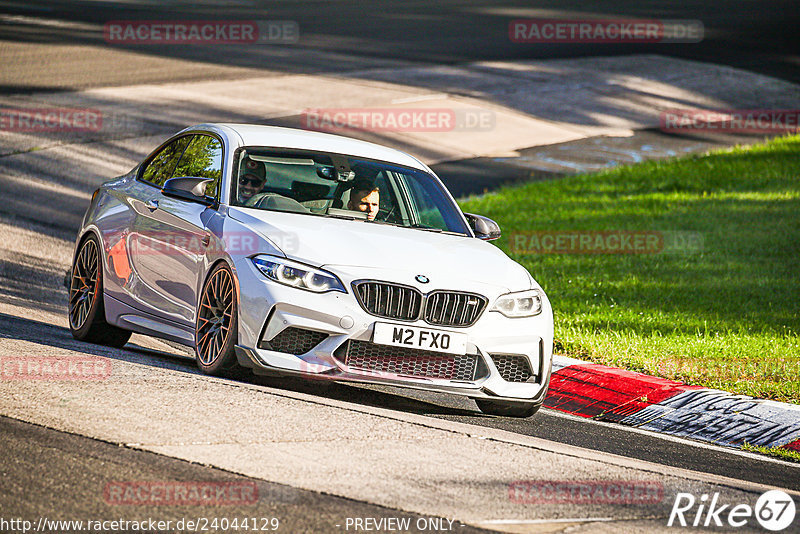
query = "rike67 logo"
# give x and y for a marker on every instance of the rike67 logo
(774, 511)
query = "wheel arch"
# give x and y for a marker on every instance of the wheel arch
(93, 231)
(225, 362)
(213, 265)
(95, 326)
(83, 236)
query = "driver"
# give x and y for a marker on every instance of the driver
(252, 178)
(364, 197)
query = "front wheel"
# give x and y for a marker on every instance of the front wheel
(507, 409)
(87, 316)
(217, 324)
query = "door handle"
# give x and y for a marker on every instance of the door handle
(152, 204)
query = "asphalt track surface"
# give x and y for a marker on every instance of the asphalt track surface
(547, 424)
(755, 36)
(340, 36)
(77, 469)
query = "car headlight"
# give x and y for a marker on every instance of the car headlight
(292, 273)
(520, 304)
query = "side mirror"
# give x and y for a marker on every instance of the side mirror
(189, 188)
(484, 227)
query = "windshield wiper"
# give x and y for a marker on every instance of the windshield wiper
(426, 228)
(387, 223)
(434, 229)
(337, 216)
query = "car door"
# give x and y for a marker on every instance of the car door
(172, 237)
(126, 252)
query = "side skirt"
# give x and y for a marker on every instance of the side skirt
(124, 316)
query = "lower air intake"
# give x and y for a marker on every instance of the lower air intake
(367, 356)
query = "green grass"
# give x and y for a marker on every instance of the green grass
(777, 452)
(725, 316)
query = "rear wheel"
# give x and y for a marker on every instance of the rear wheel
(217, 324)
(507, 409)
(87, 316)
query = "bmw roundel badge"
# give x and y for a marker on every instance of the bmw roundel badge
(422, 279)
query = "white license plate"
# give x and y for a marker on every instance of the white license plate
(420, 338)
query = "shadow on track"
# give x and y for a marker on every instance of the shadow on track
(13, 327)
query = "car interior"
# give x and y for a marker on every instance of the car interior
(302, 185)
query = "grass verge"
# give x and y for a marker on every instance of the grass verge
(715, 301)
(777, 452)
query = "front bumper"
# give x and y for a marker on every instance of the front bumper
(266, 309)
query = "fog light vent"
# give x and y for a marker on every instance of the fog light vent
(513, 367)
(294, 340)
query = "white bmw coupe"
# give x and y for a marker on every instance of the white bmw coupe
(290, 252)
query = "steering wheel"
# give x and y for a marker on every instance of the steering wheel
(384, 214)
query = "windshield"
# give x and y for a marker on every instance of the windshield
(333, 185)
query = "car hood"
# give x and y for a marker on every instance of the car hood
(359, 248)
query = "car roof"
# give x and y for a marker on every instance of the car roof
(275, 136)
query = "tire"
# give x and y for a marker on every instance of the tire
(87, 315)
(507, 409)
(217, 325)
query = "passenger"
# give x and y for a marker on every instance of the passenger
(365, 197)
(252, 178)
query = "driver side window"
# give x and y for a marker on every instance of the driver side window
(160, 168)
(203, 159)
(191, 155)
